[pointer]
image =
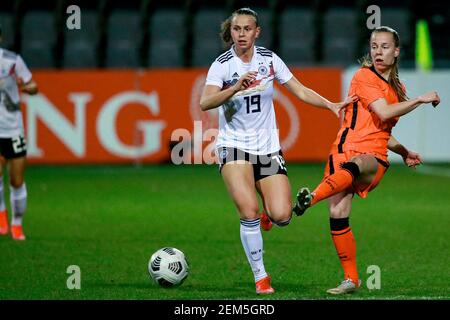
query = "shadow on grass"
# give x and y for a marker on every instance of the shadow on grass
(284, 290)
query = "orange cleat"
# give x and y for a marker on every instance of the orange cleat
(265, 222)
(17, 233)
(263, 286)
(3, 223)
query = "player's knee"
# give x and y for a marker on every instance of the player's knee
(249, 212)
(16, 182)
(282, 216)
(338, 212)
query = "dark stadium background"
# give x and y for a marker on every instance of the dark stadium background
(329, 26)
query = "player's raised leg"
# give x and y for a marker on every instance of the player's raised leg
(18, 196)
(361, 169)
(240, 183)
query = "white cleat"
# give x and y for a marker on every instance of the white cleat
(346, 286)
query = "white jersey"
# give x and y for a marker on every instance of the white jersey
(12, 67)
(247, 120)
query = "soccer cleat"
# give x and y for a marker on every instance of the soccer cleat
(265, 222)
(17, 233)
(346, 286)
(3, 223)
(263, 286)
(304, 198)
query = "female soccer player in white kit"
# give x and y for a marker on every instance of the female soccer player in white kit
(14, 76)
(240, 84)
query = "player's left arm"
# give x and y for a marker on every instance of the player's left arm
(313, 98)
(411, 158)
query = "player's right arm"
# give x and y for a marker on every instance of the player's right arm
(385, 111)
(213, 96)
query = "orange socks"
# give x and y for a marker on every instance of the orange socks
(337, 182)
(345, 247)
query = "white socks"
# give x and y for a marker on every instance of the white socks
(2, 196)
(252, 242)
(18, 197)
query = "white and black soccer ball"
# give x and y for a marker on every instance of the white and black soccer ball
(168, 267)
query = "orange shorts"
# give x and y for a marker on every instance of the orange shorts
(336, 160)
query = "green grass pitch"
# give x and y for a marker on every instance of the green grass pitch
(109, 220)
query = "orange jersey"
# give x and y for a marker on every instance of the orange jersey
(362, 131)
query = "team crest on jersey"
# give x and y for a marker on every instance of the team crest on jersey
(262, 70)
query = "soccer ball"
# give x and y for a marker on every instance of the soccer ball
(168, 267)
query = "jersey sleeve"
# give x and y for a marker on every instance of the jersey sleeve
(215, 75)
(282, 72)
(367, 87)
(22, 70)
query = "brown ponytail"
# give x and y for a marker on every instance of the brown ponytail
(394, 81)
(225, 32)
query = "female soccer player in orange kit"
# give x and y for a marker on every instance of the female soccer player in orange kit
(358, 157)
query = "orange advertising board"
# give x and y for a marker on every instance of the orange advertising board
(135, 116)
